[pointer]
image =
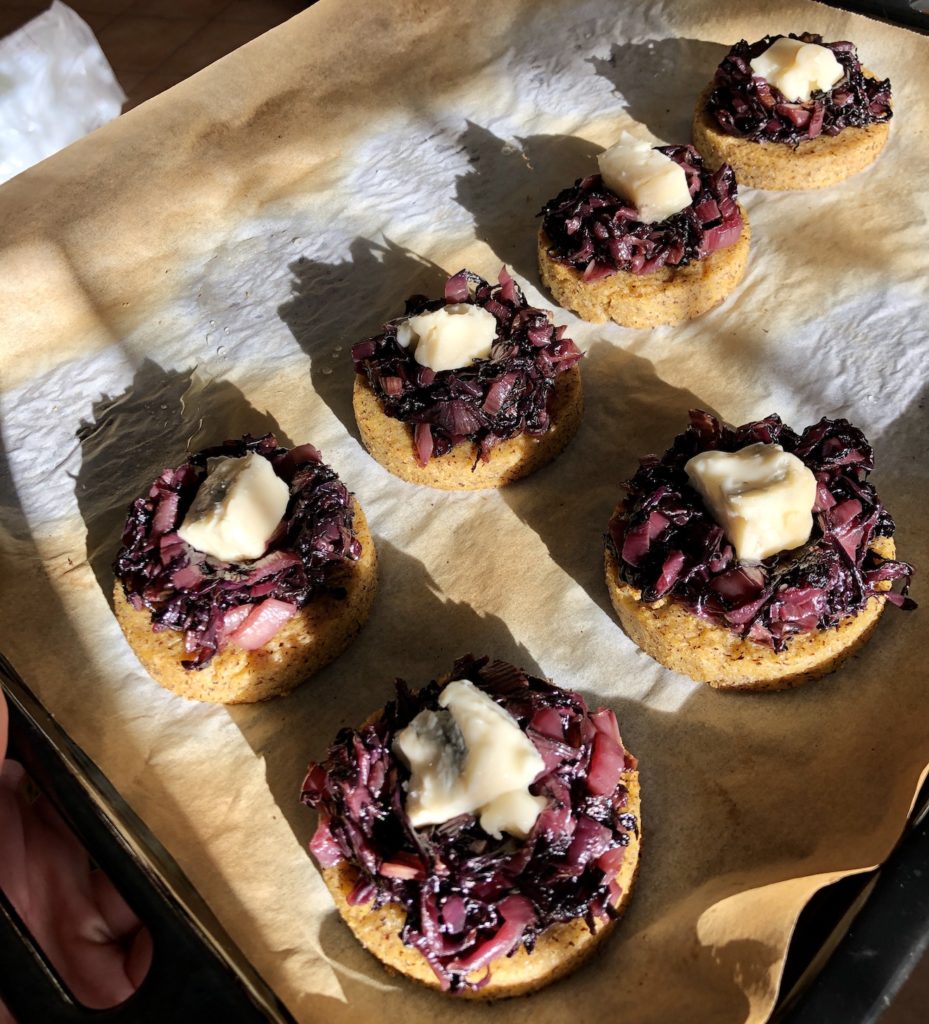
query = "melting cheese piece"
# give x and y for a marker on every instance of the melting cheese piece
(471, 758)
(652, 182)
(798, 69)
(450, 337)
(237, 508)
(761, 496)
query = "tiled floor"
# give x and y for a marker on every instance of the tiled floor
(154, 44)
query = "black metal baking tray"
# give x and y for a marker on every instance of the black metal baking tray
(197, 972)
(854, 946)
(897, 12)
(857, 942)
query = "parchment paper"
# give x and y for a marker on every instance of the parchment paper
(201, 267)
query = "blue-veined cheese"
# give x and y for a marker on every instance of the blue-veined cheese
(237, 508)
(761, 496)
(470, 757)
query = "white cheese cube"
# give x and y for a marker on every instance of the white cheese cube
(471, 758)
(761, 496)
(646, 179)
(451, 337)
(798, 69)
(237, 508)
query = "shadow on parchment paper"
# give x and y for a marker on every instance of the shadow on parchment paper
(20, 546)
(660, 79)
(629, 411)
(899, 483)
(413, 632)
(334, 305)
(509, 183)
(177, 413)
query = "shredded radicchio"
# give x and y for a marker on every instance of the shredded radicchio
(487, 402)
(590, 228)
(470, 898)
(749, 107)
(213, 602)
(666, 543)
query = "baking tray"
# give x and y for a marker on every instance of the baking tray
(856, 942)
(197, 972)
(869, 930)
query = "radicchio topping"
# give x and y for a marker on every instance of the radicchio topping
(487, 402)
(749, 107)
(593, 230)
(667, 544)
(470, 898)
(213, 602)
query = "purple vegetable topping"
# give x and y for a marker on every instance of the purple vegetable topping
(593, 230)
(749, 107)
(470, 898)
(667, 543)
(209, 600)
(487, 402)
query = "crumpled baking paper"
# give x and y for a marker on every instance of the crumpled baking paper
(202, 266)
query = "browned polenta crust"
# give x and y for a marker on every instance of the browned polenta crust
(315, 636)
(558, 951)
(669, 295)
(816, 163)
(712, 654)
(390, 442)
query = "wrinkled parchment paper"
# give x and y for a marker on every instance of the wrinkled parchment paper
(201, 267)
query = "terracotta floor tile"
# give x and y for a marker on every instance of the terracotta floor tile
(264, 12)
(98, 20)
(150, 85)
(12, 19)
(134, 43)
(130, 80)
(179, 8)
(26, 5)
(210, 43)
(101, 6)
(12, 15)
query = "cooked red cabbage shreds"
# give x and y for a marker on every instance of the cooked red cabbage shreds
(748, 107)
(667, 543)
(487, 402)
(213, 602)
(470, 898)
(593, 230)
